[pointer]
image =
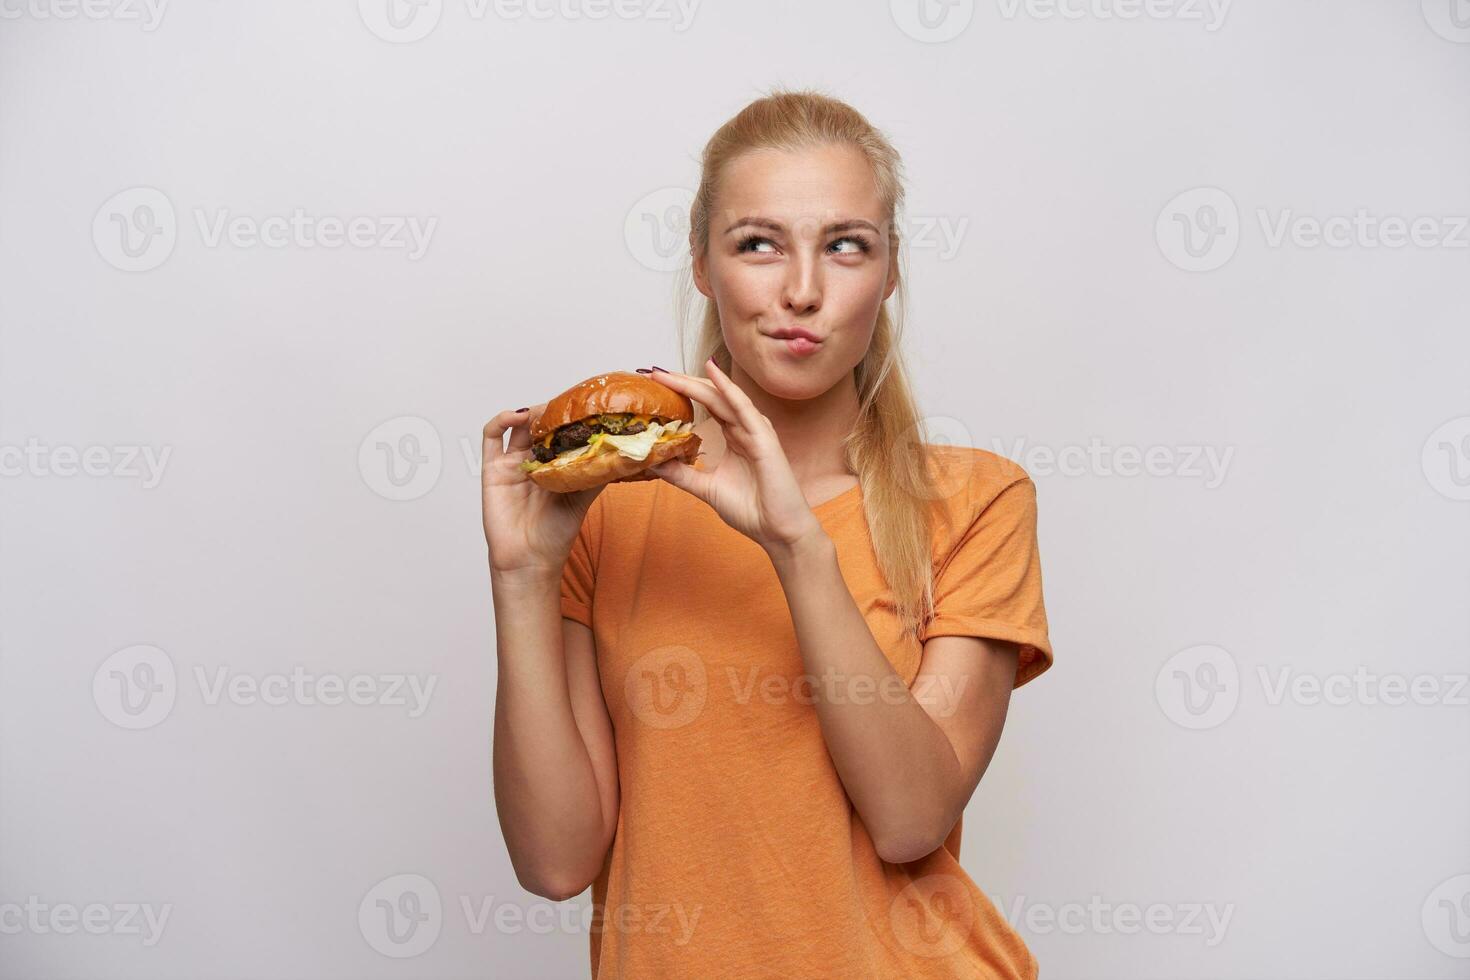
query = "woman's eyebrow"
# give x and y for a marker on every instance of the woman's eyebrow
(847, 225)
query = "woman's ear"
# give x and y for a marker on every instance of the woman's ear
(701, 269)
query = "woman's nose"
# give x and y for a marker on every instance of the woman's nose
(803, 287)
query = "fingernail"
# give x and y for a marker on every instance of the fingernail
(643, 370)
(657, 368)
(522, 410)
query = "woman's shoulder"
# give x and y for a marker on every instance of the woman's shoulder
(971, 474)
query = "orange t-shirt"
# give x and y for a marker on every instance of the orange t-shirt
(737, 852)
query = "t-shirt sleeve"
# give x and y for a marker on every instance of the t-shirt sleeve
(579, 574)
(990, 583)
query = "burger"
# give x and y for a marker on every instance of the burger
(609, 429)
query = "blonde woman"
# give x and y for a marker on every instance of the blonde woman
(747, 702)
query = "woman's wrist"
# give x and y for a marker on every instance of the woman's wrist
(524, 579)
(813, 545)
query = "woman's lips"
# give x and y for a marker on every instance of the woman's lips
(800, 346)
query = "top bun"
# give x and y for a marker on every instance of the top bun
(614, 393)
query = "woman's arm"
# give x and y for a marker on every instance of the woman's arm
(908, 767)
(909, 759)
(555, 771)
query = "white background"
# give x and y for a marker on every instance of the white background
(1052, 140)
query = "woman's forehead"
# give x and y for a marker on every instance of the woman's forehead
(813, 187)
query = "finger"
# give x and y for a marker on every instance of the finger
(739, 401)
(683, 476)
(701, 390)
(520, 435)
(493, 446)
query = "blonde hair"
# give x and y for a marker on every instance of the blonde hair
(886, 449)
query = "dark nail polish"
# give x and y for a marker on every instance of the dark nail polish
(643, 370)
(657, 368)
(522, 410)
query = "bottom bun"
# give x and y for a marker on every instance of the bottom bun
(594, 471)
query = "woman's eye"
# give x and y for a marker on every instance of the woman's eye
(858, 244)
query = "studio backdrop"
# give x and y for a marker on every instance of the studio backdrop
(267, 268)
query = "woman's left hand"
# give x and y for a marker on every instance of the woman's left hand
(752, 487)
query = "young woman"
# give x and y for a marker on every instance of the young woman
(747, 702)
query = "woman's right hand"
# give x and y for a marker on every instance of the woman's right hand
(527, 528)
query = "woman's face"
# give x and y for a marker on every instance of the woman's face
(798, 241)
